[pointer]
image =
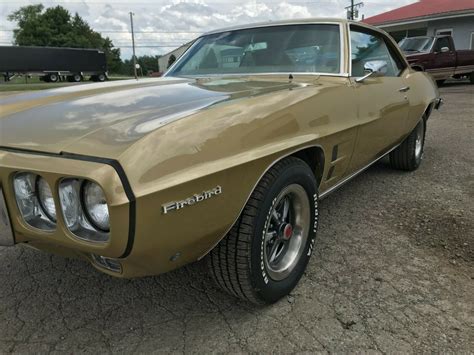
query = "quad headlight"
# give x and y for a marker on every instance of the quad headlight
(85, 209)
(95, 206)
(35, 201)
(83, 204)
(45, 198)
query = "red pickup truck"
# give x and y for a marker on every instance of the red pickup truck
(437, 56)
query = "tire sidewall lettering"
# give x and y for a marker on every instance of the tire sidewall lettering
(265, 279)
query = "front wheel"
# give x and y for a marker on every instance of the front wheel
(266, 252)
(409, 154)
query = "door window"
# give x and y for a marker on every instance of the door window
(369, 46)
(442, 42)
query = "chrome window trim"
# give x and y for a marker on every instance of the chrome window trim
(263, 74)
(341, 73)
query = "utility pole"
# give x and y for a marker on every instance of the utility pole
(353, 10)
(133, 47)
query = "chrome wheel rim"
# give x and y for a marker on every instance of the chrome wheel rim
(420, 133)
(286, 232)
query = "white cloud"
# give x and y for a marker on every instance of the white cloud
(169, 22)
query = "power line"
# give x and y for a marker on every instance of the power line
(162, 4)
(154, 46)
(116, 31)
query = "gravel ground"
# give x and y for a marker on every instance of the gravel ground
(393, 272)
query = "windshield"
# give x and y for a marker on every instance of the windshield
(416, 44)
(279, 49)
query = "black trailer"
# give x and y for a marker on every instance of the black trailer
(53, 63)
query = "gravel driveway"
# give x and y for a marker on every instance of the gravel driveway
(393, 271)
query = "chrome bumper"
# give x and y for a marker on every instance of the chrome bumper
(438, 103)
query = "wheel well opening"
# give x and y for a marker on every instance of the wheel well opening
(314, 157)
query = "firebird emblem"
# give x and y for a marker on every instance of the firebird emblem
(205, 195)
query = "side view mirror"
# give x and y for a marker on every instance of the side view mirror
(444, 49)
(373, 68)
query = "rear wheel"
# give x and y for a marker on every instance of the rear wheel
(99, 77)
(409, 154)
(266, 252)
(53, 78)
(76, 78)
(471, 78)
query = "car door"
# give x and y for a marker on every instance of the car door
(382, 99)
(443, 61)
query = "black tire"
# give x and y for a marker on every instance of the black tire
(440, 82)
(53, 78)
(407, 156)
(471, 78)
(101, 77)
(238, 264)
(76, 78)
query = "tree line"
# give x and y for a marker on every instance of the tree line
(56, 27)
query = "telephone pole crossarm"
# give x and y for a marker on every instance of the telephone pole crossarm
(353, 9)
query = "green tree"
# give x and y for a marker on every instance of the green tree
(148, 64)
(56, 27)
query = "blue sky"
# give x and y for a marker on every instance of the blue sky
(162, 25)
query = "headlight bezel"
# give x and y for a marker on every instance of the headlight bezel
(40, 220)
(82, 228)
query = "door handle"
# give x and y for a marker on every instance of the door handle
(404, 89)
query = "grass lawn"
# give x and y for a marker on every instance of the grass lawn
(33, 83)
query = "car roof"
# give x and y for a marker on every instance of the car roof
(315, 20)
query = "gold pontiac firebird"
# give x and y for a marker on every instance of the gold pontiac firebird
(224, 158)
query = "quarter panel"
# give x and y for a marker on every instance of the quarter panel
(423, 91)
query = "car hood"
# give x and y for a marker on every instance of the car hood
(105, 119)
